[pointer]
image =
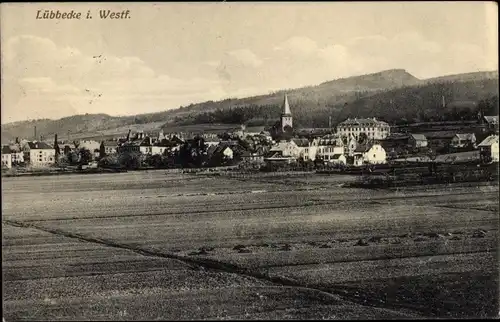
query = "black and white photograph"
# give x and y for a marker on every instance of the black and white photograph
(249, 160)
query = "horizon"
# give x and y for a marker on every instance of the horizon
(174, 54)
(222, 99)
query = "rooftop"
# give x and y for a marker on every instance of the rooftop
(39, 145)
(489, 140)
(363, 121)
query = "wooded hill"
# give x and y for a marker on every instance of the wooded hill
(365, 95)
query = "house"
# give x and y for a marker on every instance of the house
(220, 154)
(417, 141)
(461, 140)
(256, 156)
(352, 144)
(90, 145)
(145, 146)
(41, 154)
(369, 154)
(306, 151)
(488, 149)
(283, 152)
(66, 148)
(327, 147)
(129, 147)
(17, 154)
(287, 149)
(6, 157)
(338, 159)
(110, 147)
(491, 122)
(161, 146)
(373, 128)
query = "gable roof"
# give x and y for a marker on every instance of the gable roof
(282, 145)
(6, 150)
(418, 137)
(489, 140)
(491, 119)
(111, 143)
(362, 148)
(301, 142)
(336, 156)
(465, 136)
(286, 107)
(39, 145)
(363, 122)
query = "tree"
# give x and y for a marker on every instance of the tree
(109, 161)
(102, 150)
(130, 160)
(363, 138)
(85, 156)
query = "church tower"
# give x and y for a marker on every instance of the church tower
(286, 115)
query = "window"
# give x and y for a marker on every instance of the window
(374, 156)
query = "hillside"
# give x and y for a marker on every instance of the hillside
(464, 77)
(357, 95)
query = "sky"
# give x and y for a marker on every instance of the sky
(168, 55)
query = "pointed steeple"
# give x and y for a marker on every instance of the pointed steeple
(286, 107)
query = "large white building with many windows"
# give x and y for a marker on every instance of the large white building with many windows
(41, 154)
(373, 128)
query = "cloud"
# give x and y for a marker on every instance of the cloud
(297, 46)
(43, 79)
(300, 61)
(49, 80)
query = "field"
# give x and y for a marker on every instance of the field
(151, 245)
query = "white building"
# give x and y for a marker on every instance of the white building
(6, 157)
(373, 128)
(461, 140)
(110, 147)
(338, 159)
(369, 154)
(488, 149)
(284, 151)
(41, 154)
(90, 145)
(327, 147)
(157, 149)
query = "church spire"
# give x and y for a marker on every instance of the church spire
(286, 107)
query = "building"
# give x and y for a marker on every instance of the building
(417, 141)
(352, 144)
(16, 153)
(110, 147)
(90, 145)
(41, 154)
(488, 149)
(327, 147)
(129, 147)
(286, 115)
(307, 152)
(255, 157)
(284, 151)
(373, 128)
(461, 140)
(490, 122)
(145, 146)
(338, 159)
(6, 157)
(369, 154)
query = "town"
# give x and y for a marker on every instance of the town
(354, 143)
